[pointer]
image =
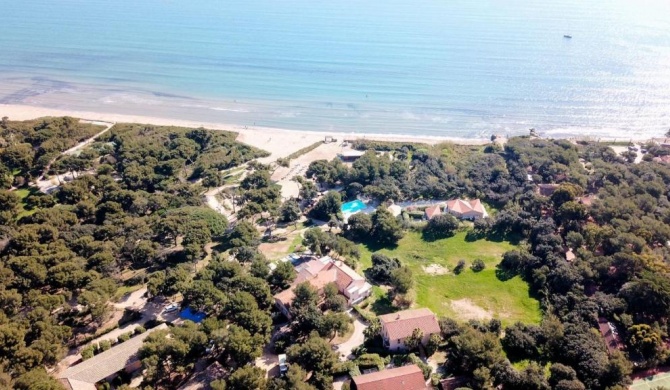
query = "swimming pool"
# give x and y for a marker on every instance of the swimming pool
(353, 207)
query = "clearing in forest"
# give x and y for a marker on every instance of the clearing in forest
(458, 295)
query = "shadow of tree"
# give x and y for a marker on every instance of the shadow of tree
(504, 274)
(383, 305)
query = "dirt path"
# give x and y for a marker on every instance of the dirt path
(79, 146)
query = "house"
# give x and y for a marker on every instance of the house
(351, 155)
(396, 327)
(107, 364)
(395, 210)
(432, 211)
(453, 383)
(399, 378)
(546, 189)
(321, 272)
(467, 209)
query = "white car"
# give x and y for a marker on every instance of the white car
(171, 307)
(283, 367)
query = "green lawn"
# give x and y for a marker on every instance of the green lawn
(476, 293)
(23, 193)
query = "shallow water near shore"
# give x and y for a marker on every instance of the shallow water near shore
(428, 67)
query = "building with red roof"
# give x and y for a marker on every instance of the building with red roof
(319, 273)
(397, 327)
(399, 378)
(467, 209)
(432, 211)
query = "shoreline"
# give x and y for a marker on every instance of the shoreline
(285, 141)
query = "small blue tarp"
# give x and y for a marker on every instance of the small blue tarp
(188, 314)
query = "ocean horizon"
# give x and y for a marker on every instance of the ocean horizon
(431, 67)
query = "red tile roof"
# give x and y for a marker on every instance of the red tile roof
(433, 211)
(400, 378)
(402, 324)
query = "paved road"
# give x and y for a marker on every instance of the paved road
(357, 338)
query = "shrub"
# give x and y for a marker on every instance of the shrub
(125, 336)
(105, 345)
(87, 352)
(459, 267)
(140, 329)
(478, 265)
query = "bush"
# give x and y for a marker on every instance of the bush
(105, 345)
(87, 352)
(140, 330)
(125, 336)
(441, 226)
(478, 265)
(459, 267)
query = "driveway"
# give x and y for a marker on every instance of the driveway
(357, 338)
(268, 362)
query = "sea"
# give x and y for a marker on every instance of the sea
(454, 68)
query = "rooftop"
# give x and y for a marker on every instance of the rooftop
(402, 324)
(107, 363)
(400, 378)
(433, 211)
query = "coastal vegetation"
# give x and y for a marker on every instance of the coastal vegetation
(576, 243)
(62, 262)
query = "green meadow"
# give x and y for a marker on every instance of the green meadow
(466, 295)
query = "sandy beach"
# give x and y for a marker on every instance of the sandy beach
(279, 142)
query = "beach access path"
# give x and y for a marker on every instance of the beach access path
(76, 148)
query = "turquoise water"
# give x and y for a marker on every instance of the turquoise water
(353, 206)
(433, 67)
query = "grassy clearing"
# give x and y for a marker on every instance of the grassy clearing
(23, 193)
(507, 300)
(125, 290)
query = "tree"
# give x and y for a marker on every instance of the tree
(282, 277)
(402, 279)
(359, 226)
(290, 211)
(478, 265)
(385, 228)
(9, 203)
(382, 267)
(293, 380)
(414, 340)
(247, 378)
(459, 267)
(36, 379)
(257, 180)
(315, 355)
(441, 226)
(329, 205)
(643, 340)
(245, 254)
(333, 324)
(433, 344)
(243, 234)
(472, 349)
(241, 346)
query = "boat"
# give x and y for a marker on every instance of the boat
(567, 36)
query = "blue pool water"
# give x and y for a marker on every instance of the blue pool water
(353, 207)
